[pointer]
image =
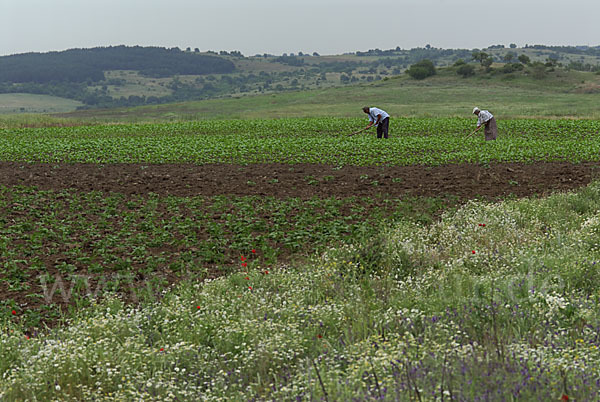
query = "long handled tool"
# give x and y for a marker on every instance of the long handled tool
(359, 131)
(471, 134)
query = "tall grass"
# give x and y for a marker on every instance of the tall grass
(494, 301)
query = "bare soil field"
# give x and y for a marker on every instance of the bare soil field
(305, 181)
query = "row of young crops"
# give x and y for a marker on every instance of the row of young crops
(413, 141)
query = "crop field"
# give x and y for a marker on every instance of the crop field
(284, 259)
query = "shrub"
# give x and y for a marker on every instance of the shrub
(524, 59)
(512, 67)
(421, 70)
(466, 70)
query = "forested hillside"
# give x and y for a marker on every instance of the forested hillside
(81, 65)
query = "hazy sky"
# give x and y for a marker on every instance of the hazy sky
(289, 26)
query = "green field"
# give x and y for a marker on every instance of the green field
(433, 141)
(29, 103)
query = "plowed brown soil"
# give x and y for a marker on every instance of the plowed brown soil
(304, 181)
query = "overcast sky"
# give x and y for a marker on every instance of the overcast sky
(289, 26)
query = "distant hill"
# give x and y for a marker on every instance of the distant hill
(81, 65)
(125, 76)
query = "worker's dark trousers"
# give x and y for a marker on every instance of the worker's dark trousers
(383, 127)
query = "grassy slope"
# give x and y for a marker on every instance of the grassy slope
(560, 93)
(29, 103)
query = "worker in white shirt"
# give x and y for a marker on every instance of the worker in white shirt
(485, 118)
(378, 118)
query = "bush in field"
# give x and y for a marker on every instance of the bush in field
(466, 70)
(421, 70)
(539, 70)
(512, 67)
(524, 59)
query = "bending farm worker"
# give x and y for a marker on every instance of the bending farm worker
(485, 118)
(378, 118)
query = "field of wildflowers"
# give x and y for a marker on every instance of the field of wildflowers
(495, 301)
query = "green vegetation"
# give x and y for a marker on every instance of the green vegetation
(93, 235)
(132, 76)
(465, 70)
(81, 65)
(29, 103)
(421, 70)
(413, 141)
(557, 93)
(494, 301)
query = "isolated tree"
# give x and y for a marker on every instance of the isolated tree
(487, 62)
(513, 46)
(479, 56)
(524, 59)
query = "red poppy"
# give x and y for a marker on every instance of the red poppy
(26, 336)
(564, 397)
(319, 336)
(254, 251)
(250, 287)
(14, 312)
(473, 251)
(247, 278)
(162, 349)
(244, 264)
(242, 258)
(198, 307)
(266, 272)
